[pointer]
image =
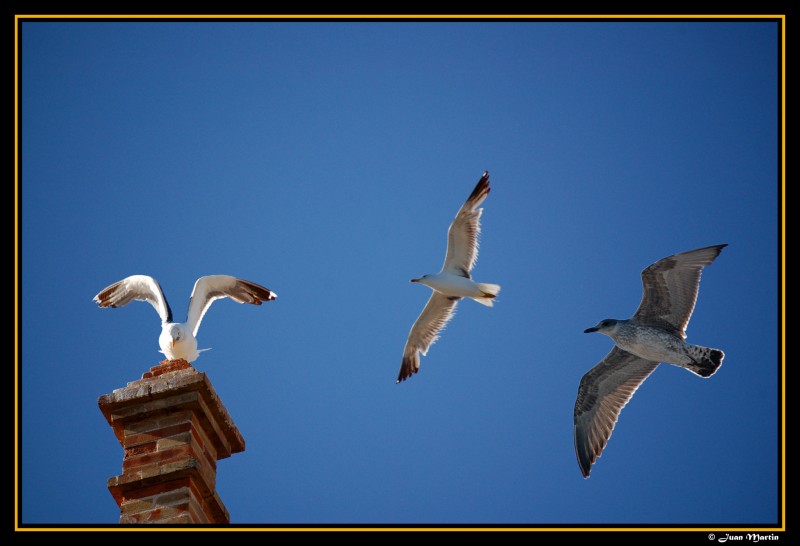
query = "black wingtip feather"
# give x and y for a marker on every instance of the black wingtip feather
(407, 369)
(481, 187)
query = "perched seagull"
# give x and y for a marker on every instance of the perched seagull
(177, 339)
(654, 334)
(452, 283)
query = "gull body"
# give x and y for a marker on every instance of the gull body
(176, 342)
(178, 339)
(655, 334)
(457, 286)
(452, 283)
(658, 345)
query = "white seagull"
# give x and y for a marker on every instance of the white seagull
(177, 339)
(654, 334)
(452, 283)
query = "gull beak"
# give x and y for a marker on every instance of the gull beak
(590, 330)
(414, 280)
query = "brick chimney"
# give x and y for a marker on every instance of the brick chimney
(173, 428)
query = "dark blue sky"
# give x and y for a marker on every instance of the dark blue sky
(325, 161)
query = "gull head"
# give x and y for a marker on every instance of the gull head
(175, 334)
(425, 279)
(605, 326)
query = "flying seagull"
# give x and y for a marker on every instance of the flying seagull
(177, 339)
(654, 334)
(452, 283)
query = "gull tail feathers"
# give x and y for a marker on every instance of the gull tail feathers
(706, 361)
(490, 292)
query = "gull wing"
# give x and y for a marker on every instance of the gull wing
(462, 237)
(425, 331)
(136, 287)
(213, 287)
(670, 287)
(603, 392)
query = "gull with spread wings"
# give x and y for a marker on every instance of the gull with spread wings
(452, 283)
(654, 334)
(177, 339)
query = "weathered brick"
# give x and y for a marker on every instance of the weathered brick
(139, 449)
(157, 420)
(173, 429)
(174, 497)
(133, 439)
(137, 505)
(151, 488)
(175, 440)
(167, 366)
(146, 404)
(184, 518)
(203, 446)
(158, 457)
(199, 514)
(172, 511)
(159, 517)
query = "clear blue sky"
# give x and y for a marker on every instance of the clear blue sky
(326, 161)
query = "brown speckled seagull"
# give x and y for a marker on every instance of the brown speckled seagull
(654, 334)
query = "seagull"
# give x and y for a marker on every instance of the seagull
(654, 334)
(177, 339)
(452, 283)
